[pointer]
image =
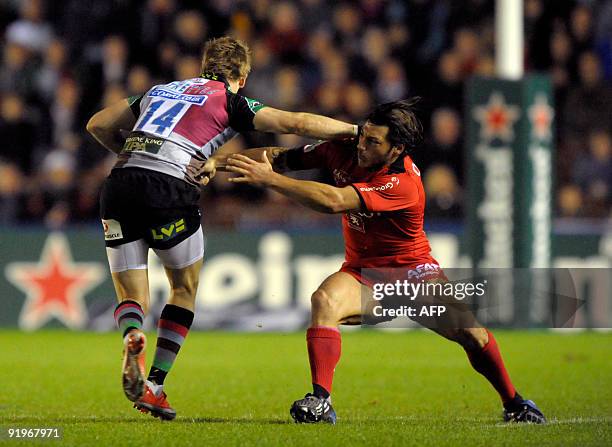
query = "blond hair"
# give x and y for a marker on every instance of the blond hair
(226, 57)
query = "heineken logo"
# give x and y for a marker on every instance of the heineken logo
(539, 211)
(511, 171)
(541, 115)
(496, 119)
(495, 209)
(54, 285)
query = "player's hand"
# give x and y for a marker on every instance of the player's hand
(257, 173)
(207, 172)
(352, 139)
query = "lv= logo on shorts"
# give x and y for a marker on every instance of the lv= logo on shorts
(168, 231)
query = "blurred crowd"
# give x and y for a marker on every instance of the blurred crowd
(63, 60)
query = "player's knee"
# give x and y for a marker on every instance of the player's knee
(472, 339)
(192, 286)
(323, 303)
(183, 291)
(186, 290)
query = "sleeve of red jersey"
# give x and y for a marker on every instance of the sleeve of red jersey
(388, 193)
(310, 156)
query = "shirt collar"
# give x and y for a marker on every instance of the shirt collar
(215, 77)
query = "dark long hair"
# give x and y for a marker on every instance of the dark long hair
(404, 126)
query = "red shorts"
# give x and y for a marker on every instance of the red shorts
(428, 271)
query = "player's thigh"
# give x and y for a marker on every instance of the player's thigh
(339, 296)
(128, 265)
(182, 260)
(458, 322)
(121, 212)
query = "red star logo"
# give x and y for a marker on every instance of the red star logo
(55, 285)
(541, 115)
(496, 118)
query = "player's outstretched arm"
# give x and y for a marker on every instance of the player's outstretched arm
(276, 155)
(315, 195)
(304, 124)
(106, 125)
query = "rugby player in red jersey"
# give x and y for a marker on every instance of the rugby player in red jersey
(151, 198)
(378, 189)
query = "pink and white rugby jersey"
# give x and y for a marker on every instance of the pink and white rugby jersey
(182, 123)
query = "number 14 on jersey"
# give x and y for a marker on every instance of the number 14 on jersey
(161, 117)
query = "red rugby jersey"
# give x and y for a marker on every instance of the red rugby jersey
(388, 232)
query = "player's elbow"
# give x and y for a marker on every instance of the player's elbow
(93, 126)
(341, 200)
(336, 204)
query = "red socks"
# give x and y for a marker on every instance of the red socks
(324, 348)
(490, 364)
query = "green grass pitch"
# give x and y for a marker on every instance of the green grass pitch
(408, 388)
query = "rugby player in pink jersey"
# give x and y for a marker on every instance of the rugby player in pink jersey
(378, 189)
(150, 199)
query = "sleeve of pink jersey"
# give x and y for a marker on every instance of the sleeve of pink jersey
(388, 193)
